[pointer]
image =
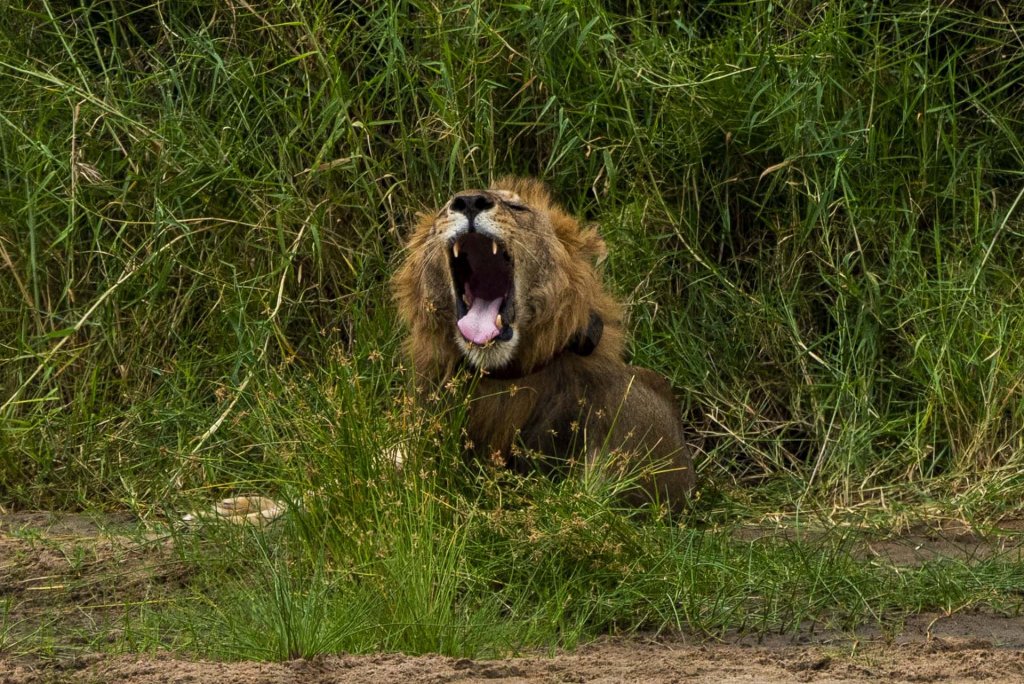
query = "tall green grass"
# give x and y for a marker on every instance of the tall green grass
(814, 216)
(810, 207)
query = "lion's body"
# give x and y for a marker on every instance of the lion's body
(553, 382)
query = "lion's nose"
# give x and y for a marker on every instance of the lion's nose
(471, 205)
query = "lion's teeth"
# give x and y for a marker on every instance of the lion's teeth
(497, 322)
(455, 250)
(465, 299)
(494, 248)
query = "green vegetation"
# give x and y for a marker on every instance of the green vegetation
(813, 211)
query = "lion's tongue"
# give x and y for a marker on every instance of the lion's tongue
(477, 326)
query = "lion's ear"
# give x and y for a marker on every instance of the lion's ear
(583, 241)
(592, 245)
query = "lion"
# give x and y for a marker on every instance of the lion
(503, 283)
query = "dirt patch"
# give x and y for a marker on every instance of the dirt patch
(915, 659)
(75, 576)
(950, 540)
(67, 579)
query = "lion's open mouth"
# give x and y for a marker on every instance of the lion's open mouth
(482, 276)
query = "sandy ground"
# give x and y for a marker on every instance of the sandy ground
(66, 571)
(957, 650)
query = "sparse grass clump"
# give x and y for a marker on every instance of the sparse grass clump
(814, 214)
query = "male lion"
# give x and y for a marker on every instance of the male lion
(503, 283)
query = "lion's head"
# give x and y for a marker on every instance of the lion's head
(502, 276)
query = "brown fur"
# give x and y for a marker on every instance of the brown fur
(565, 405)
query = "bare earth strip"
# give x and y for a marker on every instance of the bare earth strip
(913, 659)
(61, 569)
